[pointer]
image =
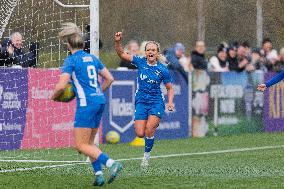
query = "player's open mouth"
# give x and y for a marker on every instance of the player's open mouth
(151, 55)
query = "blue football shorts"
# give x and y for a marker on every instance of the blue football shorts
(89, 116)
(143, 110)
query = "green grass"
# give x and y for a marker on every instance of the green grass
(250, 169)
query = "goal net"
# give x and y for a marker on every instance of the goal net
(34, 129)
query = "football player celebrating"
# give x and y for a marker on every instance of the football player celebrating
(149, 102)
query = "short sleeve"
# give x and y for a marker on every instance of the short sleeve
(167, 78)
(68, 66)
(137, 61)
(99, 64)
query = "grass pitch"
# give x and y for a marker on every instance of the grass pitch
(241, 166)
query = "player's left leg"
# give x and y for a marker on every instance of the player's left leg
(152, 124)
(155, 113)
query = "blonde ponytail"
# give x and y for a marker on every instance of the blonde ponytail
(71, 34)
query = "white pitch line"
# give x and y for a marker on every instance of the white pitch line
(37, 161)
(39, 167)
(138, 158)
(210, 152)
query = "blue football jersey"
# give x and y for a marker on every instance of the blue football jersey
(149, 80)
(83, 69)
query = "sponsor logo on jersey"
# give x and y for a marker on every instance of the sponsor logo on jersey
(142, 77)
(87, 59)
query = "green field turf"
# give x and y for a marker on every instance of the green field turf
(247, 169)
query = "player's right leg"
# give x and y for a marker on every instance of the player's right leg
(114, 167)
(97, 166)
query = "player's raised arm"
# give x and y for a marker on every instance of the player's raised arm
(119, 49)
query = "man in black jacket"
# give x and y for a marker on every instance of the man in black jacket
(197, 56)
(13, 53)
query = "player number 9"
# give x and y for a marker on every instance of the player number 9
(92, 74)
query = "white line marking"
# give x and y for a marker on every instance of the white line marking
(37, 161)
(38, 167)
(72, 163)
(210, 152)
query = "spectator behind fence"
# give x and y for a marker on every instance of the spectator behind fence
(13, 53)
(232, 58)
(247, 48)
(87, 40)
(219, 62)
(269, 53)
(243, 59)
(256, 61)
(173, 56)
(279, 65)
(185, 62)
(131, 48)
(198, 56)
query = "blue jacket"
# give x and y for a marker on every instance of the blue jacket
(174, 64)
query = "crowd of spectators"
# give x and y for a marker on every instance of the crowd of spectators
(227, 57)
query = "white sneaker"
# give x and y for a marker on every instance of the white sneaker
(145, 161)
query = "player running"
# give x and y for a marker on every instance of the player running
(149, 103)
(274, 80)
(83, 70)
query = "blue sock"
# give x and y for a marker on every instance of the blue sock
(105, 160)
(149, 142)
(97, 167)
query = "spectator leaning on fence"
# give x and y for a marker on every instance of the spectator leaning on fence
(198, 56)
(173, 55)
(269, 53)
(13, 53)
(219, 62)
(257, 61)
(232, 58)
(243, 59)
(247, 48)
(279, 65)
